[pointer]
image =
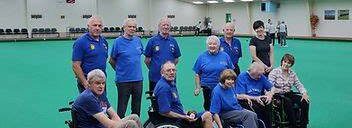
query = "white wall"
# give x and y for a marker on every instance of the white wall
(296, 16)
(185, 13)
(113, 12)
(239, 14)
(333, 28)
(51, 10)
(149, 12)
(12, 13)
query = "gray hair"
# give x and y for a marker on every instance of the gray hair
(128, 20)
(210, 38)
(94, 18)
(95, 75)
(230, 24)
(164, 19)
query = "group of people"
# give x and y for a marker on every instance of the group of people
(229, 94)
(280, 29)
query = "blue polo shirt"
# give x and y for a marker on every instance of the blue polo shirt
(92, 54)
(249, 86)
(167, 97)
(160, 50)
(209, 66)
(127, 55)
(86, 105)
(234, 51)
(224, 100)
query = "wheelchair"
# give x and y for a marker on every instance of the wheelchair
(279, 116)
(225, 124)
(156, 120)
(70, 123)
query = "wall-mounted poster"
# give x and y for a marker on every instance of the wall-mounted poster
(329, 15)
(343, 14)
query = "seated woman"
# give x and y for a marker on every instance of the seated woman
(93, 109)
(283, 78)
(224, 103)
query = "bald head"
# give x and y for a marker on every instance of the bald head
(256, 69)
(168, 71)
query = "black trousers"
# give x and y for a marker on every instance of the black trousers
(290, 100)
(151, 85)
(125, 90)
(263, 112)
(237, 69)
(207, 97)
(272, 36)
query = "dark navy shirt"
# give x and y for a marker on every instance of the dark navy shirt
(167, 97)
(234, 51)
(160, 50)
(92, 54)
(127, 55)
(86, 105)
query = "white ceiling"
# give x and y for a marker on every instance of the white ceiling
(220, 1)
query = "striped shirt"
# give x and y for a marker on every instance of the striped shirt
(283, 82)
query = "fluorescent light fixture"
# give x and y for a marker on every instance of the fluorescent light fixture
(197, 2)
(246, 0)
(212, 1)
(227, 1)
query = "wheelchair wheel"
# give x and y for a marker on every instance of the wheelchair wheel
(148, 124)
(166, 125)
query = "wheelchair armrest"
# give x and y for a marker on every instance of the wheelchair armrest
(64, 109)
(149, 92)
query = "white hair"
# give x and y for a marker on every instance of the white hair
(215, 38)
(128, 20)
(95, 75)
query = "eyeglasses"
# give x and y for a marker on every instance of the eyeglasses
(97, 83)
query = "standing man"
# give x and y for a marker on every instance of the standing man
(271, 31)
(196, 32)
(90, 51)
(231, 45)
(282, 33)
(125, 59)
(160, 48)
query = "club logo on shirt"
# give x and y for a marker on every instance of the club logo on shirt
(157, 48)
(104, 106)
(221, 48)
(172, 48)
(174, 94)
(92, 47)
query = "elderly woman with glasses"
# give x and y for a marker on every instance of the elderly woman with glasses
(208, 67)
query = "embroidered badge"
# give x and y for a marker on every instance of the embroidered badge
(92, 47)
(157, 48)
